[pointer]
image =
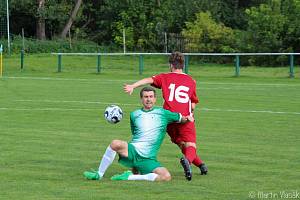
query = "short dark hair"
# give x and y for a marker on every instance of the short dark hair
(176, 59)
(147, 89)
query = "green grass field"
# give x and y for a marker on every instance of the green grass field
(52, 129)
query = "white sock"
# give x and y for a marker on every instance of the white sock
(146, 177)
(106, 161)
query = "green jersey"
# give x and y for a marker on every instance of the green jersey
(149, 128)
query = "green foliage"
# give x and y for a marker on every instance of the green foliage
(118, 32)
(55, 13)
(138, 18)
(268, 30)
(205, 35)
(291, 34)
(272, 27)
(265, 26)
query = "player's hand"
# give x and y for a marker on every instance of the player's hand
(186, 119)
(128, 88)
(191, 118)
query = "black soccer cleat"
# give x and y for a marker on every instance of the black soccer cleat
(203, 169)
(187, 168)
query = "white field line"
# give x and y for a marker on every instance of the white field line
(136, 105)
(131, 81)
(64, 79)
(250, 84)
(80, 102)
(231, 88)
(46, 109)
(250, 111)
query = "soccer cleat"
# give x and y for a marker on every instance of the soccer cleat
(92, 175)
(121, 177)
(187, 168)
(203, 169)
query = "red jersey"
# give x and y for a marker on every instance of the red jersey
(179, 91)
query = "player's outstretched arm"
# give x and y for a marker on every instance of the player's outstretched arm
(128, 88)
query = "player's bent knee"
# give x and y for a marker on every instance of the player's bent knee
(163, 177)
(163, 174)
(116, 144)
(166, 177)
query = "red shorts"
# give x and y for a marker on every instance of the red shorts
(182, 132)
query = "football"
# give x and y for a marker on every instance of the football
(113, 114)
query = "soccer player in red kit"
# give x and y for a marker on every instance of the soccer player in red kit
(179, 93)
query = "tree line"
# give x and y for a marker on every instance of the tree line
(199, 25)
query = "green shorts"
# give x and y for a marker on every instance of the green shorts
(134, 160)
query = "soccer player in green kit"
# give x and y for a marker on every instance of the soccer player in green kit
(148, 127)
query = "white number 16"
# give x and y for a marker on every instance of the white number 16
(180, 93)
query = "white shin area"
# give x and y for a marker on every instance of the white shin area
(107, 160)
(145, 177)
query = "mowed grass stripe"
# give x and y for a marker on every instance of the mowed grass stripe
(134, 105)
(133, 80)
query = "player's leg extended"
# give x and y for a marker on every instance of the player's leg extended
(159, 174)
(116, 146)
(149, 169)
(175, 133)
(190, 151)
(187, 141)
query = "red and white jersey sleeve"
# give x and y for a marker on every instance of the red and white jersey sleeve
(179, 91)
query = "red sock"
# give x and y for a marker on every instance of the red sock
(190, 153)
(197, 161)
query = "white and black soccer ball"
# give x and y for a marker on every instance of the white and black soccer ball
(113, 114)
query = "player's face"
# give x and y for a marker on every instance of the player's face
(148, 99)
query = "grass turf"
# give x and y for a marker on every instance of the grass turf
(52, 129)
